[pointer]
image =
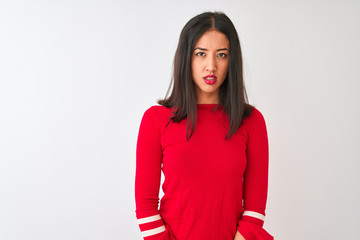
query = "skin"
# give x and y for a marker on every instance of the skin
(211, 56)
(238, 236)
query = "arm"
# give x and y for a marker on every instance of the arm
(147, 181)
(255, 181)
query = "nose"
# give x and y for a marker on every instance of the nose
(211, 65)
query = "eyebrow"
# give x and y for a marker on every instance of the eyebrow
(204, 49)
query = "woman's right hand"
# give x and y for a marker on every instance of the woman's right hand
(238, 236)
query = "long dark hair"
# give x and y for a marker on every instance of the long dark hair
(232, 93)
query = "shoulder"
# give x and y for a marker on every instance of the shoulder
(256, 119)
(158, 113)
(157, 110)
(256, 114)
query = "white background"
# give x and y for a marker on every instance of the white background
(76, 77)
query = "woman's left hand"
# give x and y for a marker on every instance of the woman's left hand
(238, 236)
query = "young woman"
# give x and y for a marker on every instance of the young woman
(211, 145)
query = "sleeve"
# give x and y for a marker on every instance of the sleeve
(147, 181)
(255, 182)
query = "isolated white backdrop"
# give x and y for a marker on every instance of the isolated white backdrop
(76, 77)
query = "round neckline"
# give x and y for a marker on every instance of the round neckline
(209, 106)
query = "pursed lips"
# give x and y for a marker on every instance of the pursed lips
(210, 77)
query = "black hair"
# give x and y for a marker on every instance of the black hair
(232, 93)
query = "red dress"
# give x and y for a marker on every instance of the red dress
(212, 186)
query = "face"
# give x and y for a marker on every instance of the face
(209, 65)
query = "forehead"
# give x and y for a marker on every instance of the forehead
(213, 39)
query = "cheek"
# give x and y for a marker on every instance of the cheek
(224, 69)
(195, 67)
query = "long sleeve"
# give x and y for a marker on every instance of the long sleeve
(147, 181)
(255, 181)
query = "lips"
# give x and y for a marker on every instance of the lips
(210, 79)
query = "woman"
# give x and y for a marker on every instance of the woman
(211, 145)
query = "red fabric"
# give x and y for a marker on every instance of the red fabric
(207, 180)
(252, 231)
(151, 225)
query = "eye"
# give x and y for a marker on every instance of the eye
(222, 55)
(201, 54)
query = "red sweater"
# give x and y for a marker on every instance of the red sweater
(212, 186)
